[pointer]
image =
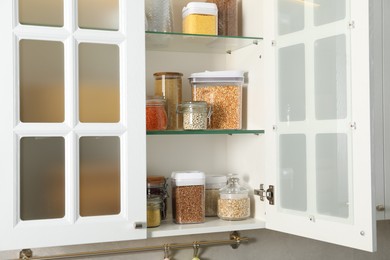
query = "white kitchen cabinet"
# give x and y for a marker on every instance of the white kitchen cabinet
(304, 89)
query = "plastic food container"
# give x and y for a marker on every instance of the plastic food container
(213, 185)
(156, 116)
(227, 16)
(196, 114)
(200, 18)
(169, 85)
(153, 211)
(223, 91)
(188, 197)
(233, 203)
(157, 185)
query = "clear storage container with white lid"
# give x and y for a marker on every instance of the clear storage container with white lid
(213, 184)
(223, 91)
(234, 202)
(200, 18)
(188, 197)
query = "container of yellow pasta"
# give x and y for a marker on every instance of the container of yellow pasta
(200, 18)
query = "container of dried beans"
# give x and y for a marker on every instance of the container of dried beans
(156, 116)
(223, 91)
(196, 114)
(188, 197)
(233, 203)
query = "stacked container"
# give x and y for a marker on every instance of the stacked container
(213, 185)
(223, 91)
(188, 197)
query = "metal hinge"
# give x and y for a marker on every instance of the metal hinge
(269, 193)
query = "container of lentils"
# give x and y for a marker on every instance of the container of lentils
(233, 203)
(157, 185)
(213, 185)
(188, 197)
(223, 91)
(196, 114)
(156, 116)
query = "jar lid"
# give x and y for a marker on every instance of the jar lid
(200, 8)
(188, 178)
(155, 101)
(154, 199)
(168, 74)
(215, 179)
(156, 181)
(218, 76)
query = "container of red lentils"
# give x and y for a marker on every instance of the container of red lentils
(156, 116)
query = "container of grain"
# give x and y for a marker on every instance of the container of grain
(153, 211)
(156, 116)
(200, 18)
(223, 91)
(233, 203)
(169, 85)
(227, 17)
(196, 114)
(213, 185)
(188, 197)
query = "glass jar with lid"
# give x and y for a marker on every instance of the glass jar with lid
(156, 116)
(196, 114)
(153, 211)
(233, 203)
(169, 86)
(157, 185)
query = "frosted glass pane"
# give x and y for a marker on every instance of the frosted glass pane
(290, 16)
(99, 176)
(291, 66)
(41, 81)
(98, 14)
(328, 11)
(99, 83)
(41, 12)
(42, 178)
(330, 78)
(292, 171)
(332, 175)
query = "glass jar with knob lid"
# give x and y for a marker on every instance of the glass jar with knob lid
(234, 202)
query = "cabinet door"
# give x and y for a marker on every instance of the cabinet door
(322, 121)
(72, 122)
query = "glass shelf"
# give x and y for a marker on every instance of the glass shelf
(205, 132)
(181, 42)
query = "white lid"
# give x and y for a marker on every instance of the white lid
(200, 8)
(188, 178)
(219, 74)
(216, 179)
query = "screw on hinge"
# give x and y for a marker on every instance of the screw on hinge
(351, 24)
(25, 254)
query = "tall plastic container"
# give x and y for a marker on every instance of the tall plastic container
(223, 91)
(227, 17)
(188, 197)
(200, 18)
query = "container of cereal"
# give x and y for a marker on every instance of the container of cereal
(200, 18)
(223, 91)
(153, 211)
(213, 185)
(156, 116)
(169, 85)
(196, 114)
(233, 203)
(188, 197)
